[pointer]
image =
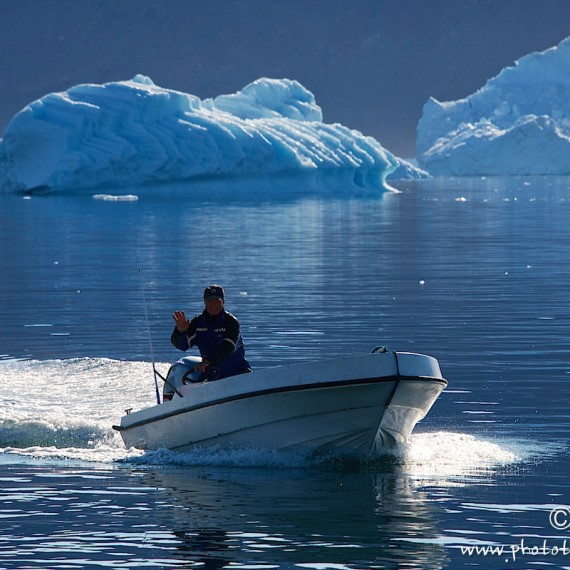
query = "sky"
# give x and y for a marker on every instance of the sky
(372, 64)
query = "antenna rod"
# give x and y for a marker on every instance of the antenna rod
(149, 339)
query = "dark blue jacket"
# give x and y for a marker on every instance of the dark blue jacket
(219, 341)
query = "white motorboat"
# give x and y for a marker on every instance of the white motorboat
(357, 404)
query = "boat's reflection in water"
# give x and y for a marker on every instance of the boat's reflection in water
(286, 517)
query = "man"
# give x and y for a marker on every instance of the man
(216, 333)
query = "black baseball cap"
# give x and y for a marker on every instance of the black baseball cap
(213, 292)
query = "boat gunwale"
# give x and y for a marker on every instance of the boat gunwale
(276, 390)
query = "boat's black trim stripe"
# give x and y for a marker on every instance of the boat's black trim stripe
(282, 389)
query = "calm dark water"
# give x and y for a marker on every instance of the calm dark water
(473, 272)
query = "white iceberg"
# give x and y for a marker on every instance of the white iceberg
(130, 133)
(517, 124)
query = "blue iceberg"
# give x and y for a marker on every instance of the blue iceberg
(518, 123)
(131, 133)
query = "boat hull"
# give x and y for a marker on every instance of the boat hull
(358, 405)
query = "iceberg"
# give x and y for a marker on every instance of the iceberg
(408, 169)
(132, 133)
(518, 123)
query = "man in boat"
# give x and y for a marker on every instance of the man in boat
(216, 333)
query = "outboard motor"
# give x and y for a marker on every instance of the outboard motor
(180, 373)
